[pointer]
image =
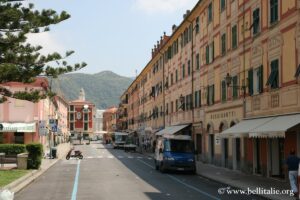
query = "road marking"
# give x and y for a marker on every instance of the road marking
(149, 158)
(75, 187)
(110, 157)
(129, 157)
(120, 156)
(89, 157)
(139, 157)
(99, 156)
(183, 183)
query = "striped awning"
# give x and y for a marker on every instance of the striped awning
(18, 127)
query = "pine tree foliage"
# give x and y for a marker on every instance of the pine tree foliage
(22, 62)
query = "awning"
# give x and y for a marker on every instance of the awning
(18, 127)
(171, 129)
(245, 127)
(276, 127)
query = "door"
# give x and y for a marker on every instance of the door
(257, 156)
(226, 152)
(212, 147)
(238, 153)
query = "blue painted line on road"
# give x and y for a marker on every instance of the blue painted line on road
(75, 187)
(183, 183)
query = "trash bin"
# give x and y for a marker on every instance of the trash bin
(53, 152)
(22, 160)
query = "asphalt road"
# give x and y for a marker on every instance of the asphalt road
(110, 174)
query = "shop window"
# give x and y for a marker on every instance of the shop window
(19, 138)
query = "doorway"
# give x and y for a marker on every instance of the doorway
(257, 157)
(276, 152)
(212, 147)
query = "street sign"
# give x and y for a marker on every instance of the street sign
(42, 127)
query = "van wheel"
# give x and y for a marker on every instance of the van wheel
(156, 166)
(162, 168)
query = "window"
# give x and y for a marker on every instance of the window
(234, 87)
(223, 5)
(172, 79)
(197, 27)
(71, 126)
(197, 61)
(223, 91)
(71, 108)
(223, 43)
(234, 36)
(86, 126)
(86, 117)
(176, 105)
(273, 79)
(210, 53)
(71, 116)
(210, 95)
(196, 99)
(255, 25)
(189, 68)
(209, 10)
(273, 11)
(199, 103)
(257, 80)
(183, 71)
(176, 75)
(19, 138)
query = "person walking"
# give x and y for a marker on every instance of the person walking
(293, 164)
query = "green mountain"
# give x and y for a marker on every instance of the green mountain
(103, 89)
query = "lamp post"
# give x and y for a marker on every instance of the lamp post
(228, 80)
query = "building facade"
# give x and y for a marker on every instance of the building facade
(81, 116)
(110, 119)
(226, 65)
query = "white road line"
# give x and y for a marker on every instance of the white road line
(99, 156)
(110, 157)
(120, 156)
(89, 157)
(139, 157)
(130, 157)
(183, 183)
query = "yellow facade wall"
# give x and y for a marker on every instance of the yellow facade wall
(288, 56)
(216, 12)
(287, 5)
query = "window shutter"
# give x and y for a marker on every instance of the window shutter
(250, 79)
(213, 51)
(260, 79)
(207, 54)
(199, 98)
(207, 95)
(223, 91)
(213, 94)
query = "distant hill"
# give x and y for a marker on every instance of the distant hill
(103, 89)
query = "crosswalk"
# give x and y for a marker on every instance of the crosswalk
(116, 157)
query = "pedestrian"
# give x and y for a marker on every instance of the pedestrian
(292, 163)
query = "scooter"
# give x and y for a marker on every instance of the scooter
(77, 154)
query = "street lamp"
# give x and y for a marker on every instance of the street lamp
(228, 80)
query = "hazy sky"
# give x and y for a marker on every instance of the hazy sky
(115, 35)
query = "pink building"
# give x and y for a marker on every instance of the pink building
(20, 119)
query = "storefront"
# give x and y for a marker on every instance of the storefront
(269, 141)
(18, 133)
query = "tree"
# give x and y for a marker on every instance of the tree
(22, 62)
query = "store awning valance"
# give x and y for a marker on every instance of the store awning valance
(18, 127)
(276, 127)
(171, 129)
(244, 127)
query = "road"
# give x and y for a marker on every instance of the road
(110, 174)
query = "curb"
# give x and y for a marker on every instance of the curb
(24, 181)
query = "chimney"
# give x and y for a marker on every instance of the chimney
(174, 28)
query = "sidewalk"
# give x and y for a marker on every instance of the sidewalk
(22, 182)
(241, 180)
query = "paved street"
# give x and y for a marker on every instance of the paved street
(111, 174)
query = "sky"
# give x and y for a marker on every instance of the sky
(115, 35)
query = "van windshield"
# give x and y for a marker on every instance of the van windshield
(179, 146)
